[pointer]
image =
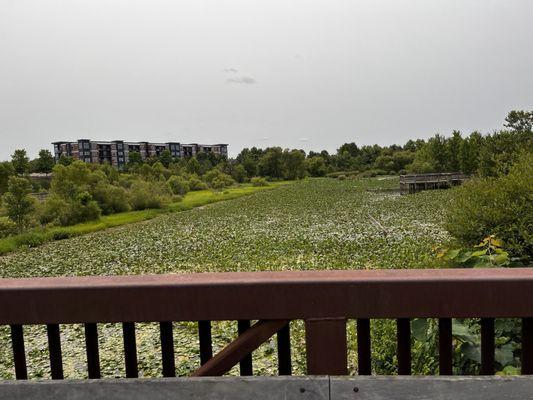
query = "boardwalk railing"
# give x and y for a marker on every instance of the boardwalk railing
(413, 183)
(325, 300)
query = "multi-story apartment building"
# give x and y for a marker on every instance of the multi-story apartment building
(117, 152)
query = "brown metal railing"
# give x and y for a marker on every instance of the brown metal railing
(325, 300)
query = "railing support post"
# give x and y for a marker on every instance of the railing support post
(527, 346)
(363, 347)
(19, 354)
(487, 346)
(326, 346)
(403, 337)
(445, 346)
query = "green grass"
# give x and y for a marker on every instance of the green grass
(191, 200)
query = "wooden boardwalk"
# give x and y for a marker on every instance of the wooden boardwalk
(286, 388)
(413, 183)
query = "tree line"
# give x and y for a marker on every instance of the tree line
(81, 192)
(484, 155)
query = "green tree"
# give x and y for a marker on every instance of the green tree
(350, 148)
(519, 121)
(469, 153)
(271, 163)
(135, 158)
(414, 145)
(65, 160)
(402, 159)
(316, 166)
(6, 171)
(345, 162)
(238, 173)
(294, 164)
(20, 161)
(45, 162)
(437, 153)
(250, 165)
(501, 150)
(165, 158)
(386, 163)
(18, 202)
(193, 166)
(453, 150)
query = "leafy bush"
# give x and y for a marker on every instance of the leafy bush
(60, 211)
(218, 179)
(144, 195)
(501, 206)
(420, 167)
(111, 199)
(258, 181)
(345, 173)
(178, 185)
(367, 174)
(7, 227)
(222, 181)
(54, 210)
(488, 253)
(196, 184)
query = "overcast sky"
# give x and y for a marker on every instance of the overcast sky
(305, 74)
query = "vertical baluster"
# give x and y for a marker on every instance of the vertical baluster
(206, 345)
(487, 346)
(245, 365)
(93, 354)
(19, 353)
(54, 347)
(404, 345)
(284, 350)
(445, 346)
(363, 347)
(325, 341)
(167, 349)
(130, 349)
(527, 346)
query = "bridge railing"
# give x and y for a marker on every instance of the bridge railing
(264, 303)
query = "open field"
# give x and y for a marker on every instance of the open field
(312, 224)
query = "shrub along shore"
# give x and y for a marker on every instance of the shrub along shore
(38, 236)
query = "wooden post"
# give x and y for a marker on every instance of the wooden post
(326, 346)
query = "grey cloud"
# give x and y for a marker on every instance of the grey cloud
(194, 73)
(244, 80)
